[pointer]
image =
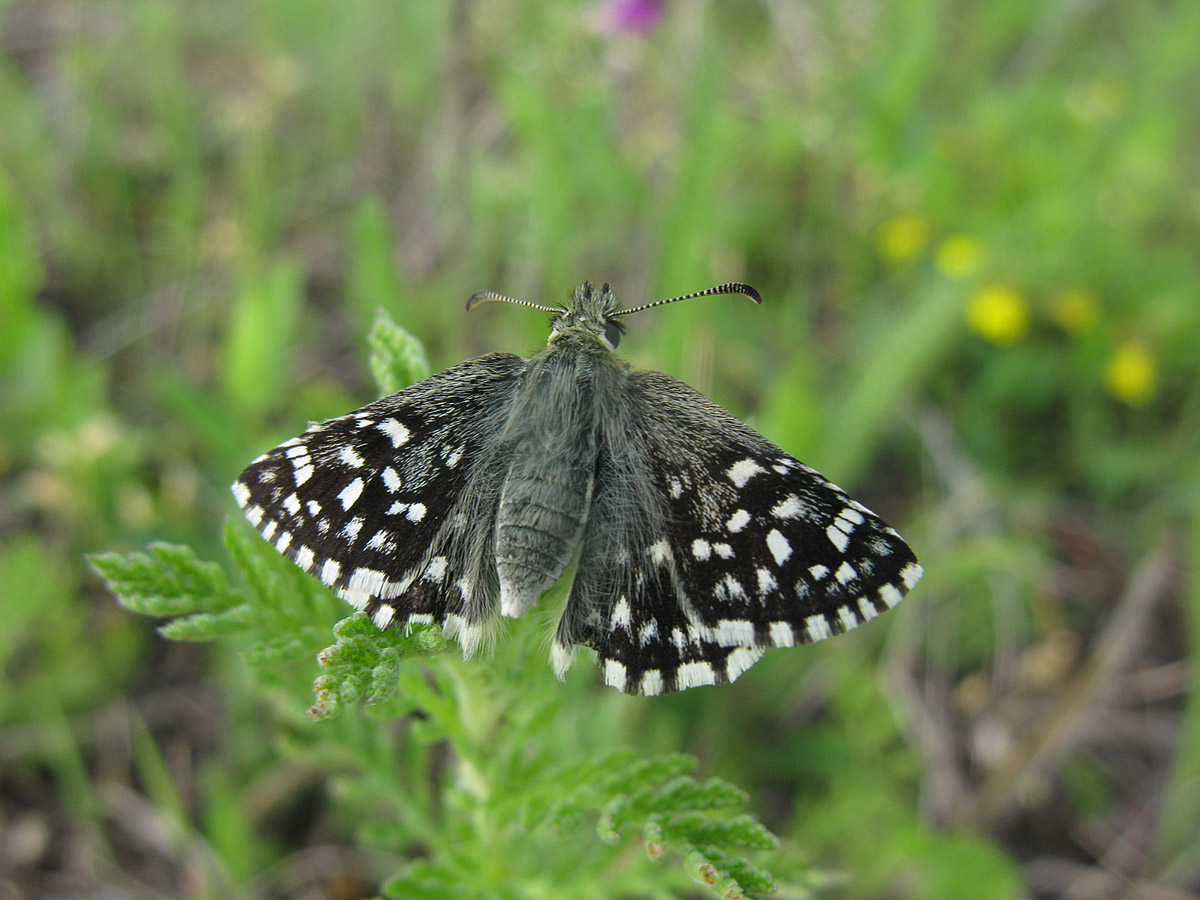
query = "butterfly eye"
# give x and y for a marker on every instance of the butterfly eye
(612, 332)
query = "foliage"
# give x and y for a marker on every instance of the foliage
(496, 822)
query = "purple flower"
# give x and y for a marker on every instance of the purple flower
(633, 16)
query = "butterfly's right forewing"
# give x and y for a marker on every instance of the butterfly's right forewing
(716, 545)
(393, 505)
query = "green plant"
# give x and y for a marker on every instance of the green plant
(485, 777)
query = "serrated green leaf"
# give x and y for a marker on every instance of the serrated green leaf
(687, 794)
(282, 649)
(569, 794)
(397, 357)
(208, 626)
(740, 832)
(753, 880)
(642, 772)
(382, 685)
(168, 581)
(366, 663)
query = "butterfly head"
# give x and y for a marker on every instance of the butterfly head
(590, 317)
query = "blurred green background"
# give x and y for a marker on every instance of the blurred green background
(975, 227)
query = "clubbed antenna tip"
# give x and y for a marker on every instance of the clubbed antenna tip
(733, 287)
(485, 296)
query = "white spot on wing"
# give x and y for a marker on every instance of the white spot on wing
(788, 508)
(846, 573)
(614, 674)
(733, 587)
(468, 634)
(867, 609)
(379, 540)
(890, 595)
(652, 682)
(766, 580)
(255, 515)
(291, 503)
(723, 550)
(304, 558)
(353, 527)
(349, 457)
(350, 493)
(838, 537)
(648, 632)
(660, 551)
(437, 569)
(739, 661)
(743, 470)
(818, 571)
(911, 574)
(622, 616)
(241, 494)
(383, 616)
(357, 599)
(394, 430)
(694, 674)
(782, 634)
(391, 479)
(701, 549)
(738, 521)
(849, 619)
(416, 512)
(331, 571)
(367, 581)
(778, 545)
(852, 517)
(734, 633)
(302, 474)
(817, 627)
(269, 531)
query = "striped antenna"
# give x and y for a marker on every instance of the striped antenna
(734, 287)
(485, 296)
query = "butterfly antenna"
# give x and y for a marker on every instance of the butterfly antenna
(734, 287)
(485, 296)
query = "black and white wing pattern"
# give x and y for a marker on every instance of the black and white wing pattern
(708, 544)
(393, 505)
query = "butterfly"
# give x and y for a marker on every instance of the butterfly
(464, 497)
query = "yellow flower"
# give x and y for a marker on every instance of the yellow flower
(1075, 309)
(901, 238)
(1131, 373)
(958, 256)
(998, 313)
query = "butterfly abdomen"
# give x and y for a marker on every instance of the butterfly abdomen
(550, 440)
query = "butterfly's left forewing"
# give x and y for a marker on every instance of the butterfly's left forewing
(716, 545)
(390, 504)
